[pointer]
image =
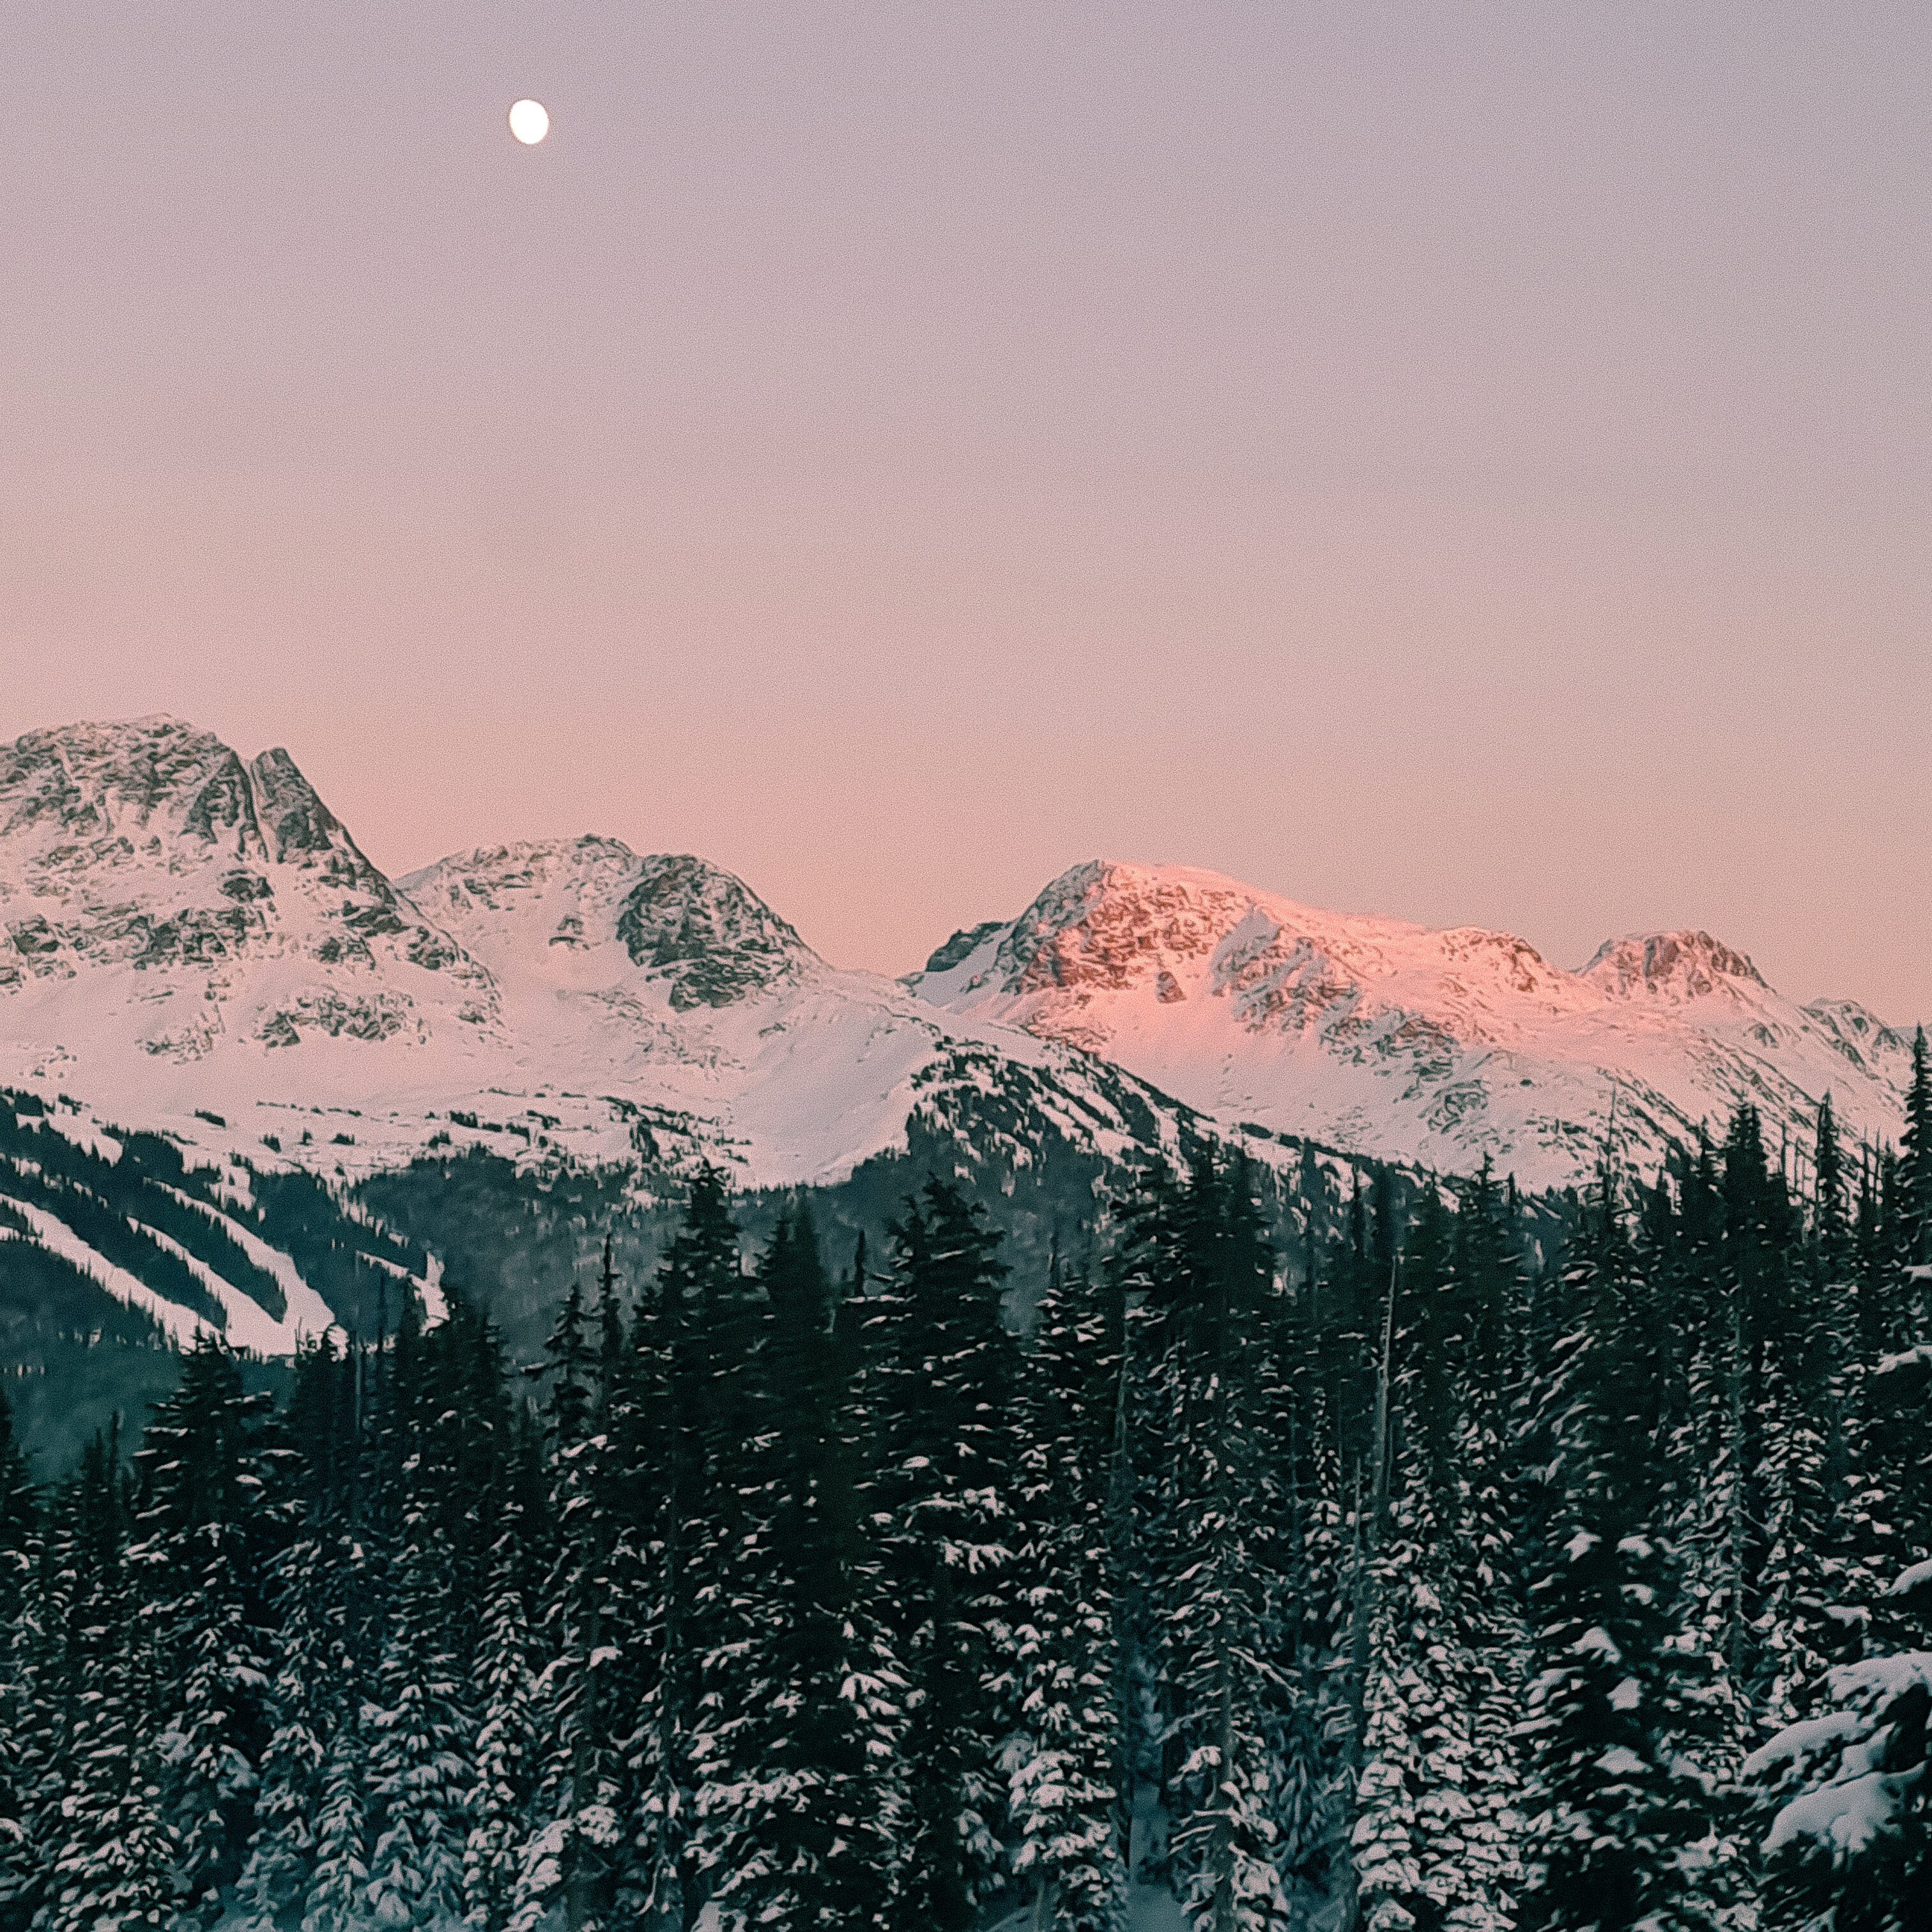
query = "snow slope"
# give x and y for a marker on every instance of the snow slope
(666, 982)
(1437, 1048)
(186, 1248)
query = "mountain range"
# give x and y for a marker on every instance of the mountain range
(184, 932)
(193, 949)
(1436, 1049)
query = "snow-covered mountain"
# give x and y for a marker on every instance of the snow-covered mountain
(1430, 1048)
(160, 897)
(194, 942)
(668, 983)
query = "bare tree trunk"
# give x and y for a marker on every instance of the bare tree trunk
(1046, 1905)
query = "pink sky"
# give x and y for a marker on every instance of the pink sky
(1467, 463)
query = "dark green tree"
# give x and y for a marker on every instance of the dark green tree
(946, 1370)
(1626, 1824)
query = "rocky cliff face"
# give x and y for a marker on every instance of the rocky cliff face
(156, 890)
(699, 935)
(1439, 1049)
(1674, 967)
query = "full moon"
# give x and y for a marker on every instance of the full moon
(529, 122)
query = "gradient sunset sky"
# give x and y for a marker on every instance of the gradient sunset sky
(1469, 463)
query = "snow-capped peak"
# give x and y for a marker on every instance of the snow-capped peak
(1104, 928)
(1433, 1047)
(554, 909)
(158, 892)
(100, 791)
(1669, 966)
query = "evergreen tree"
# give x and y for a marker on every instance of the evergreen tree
(1306, 1559)
(1065, 1760)
(1915, 1167)
(665, 1448)
(19, 1541)
(336, 1899)
(506, 1734)
(801, 1702)
(20, 1518)
(1433, 1838)
(1624, 1825)
(312, 1665)
(1210, 1311)
(580, 1791)
(1850, 1849)
(420, 1767)
(112, 1855)
(948, 1369)
(200, 1567)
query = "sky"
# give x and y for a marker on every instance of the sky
(1469, 463)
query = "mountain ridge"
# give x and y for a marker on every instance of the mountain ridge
(566, 999)
(1411, 1043)
(190, 934)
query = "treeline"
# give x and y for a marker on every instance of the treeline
(1431, 1587)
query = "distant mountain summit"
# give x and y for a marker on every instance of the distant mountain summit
(1673, 966)
(1437, 1048)
(701, 933)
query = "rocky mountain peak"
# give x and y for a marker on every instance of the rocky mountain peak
(502, 899)
(554, 907)
(100, 789)
(1669, 966)
(234, 896)
(1107, 925)
(293, 819)
(705, 931)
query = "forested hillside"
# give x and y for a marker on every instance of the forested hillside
(1419, 1586)
(116, 1249)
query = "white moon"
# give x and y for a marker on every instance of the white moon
(529, 122)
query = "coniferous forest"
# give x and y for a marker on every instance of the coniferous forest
(1439, 1583)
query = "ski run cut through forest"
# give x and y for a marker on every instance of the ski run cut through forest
(1454, 1578)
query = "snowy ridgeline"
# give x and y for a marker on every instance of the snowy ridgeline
(196, 943)
(1437, 1588)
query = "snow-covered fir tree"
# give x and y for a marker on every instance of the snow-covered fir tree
(197, 1565)
(944, 1369)
(1434, 1837)
(1206, 1322)
(1065, 1759)
(1626, 1826)
(504, 1690)
(795, 1808)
